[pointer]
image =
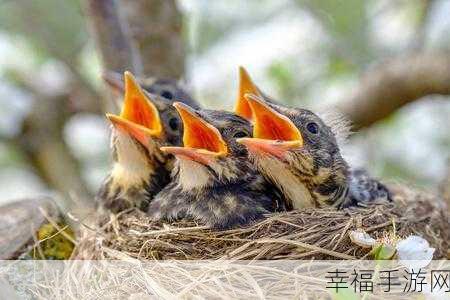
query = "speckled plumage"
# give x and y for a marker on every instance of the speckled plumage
(227, 193)
(316, 174)
(139, 172)
(364, 189)
(136, 176)
(312, 175)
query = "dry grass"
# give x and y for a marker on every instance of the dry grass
(303, 234)
(216, 268)
(135, 279)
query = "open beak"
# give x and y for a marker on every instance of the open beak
(273, 133)
(114, 80)
(202, 141)
(246, 86)
(139, 116)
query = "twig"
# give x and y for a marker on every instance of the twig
(112, 37)
(394, 83)
(156, 29)
(309, 247)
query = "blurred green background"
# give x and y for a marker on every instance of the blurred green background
(54, 138)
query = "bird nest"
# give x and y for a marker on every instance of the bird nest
(301, 234)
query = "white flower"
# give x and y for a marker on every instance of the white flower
(414, 252)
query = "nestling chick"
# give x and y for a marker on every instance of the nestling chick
(299, 153)
(362, 188)
(140, 168)
(213, 180)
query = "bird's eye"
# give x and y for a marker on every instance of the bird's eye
(174, 124)
(312, 127)
(240, 134)
(167, 94)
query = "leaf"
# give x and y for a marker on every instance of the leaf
(383, 252)
(55, 27)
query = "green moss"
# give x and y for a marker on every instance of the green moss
(53, 244)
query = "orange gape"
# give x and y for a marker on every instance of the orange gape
(198, 133)
(138, 113)
(202, 141)
(139, 117)
(269, 129)
(271, 125)
(138, 109)
(273, 133)
(246, 86)
(198, 137)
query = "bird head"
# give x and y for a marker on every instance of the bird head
(293, 140)
(135, 153)
(149, 118)
(210, 153)
(140, 168)
(139, 119)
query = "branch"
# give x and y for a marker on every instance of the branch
(156, 28)
(395, 83)
(42, 142)
(111, 36)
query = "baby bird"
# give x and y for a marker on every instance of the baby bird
(362, 187)
(140, 169)
(299, 153)
(213, 180)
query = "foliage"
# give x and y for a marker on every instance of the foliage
(53, 243)
(55, 28)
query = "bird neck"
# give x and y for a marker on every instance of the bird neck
(295, 191)
(132, 163)
(307, 186)
(331, 192)
(135, 177)
(329, 185)
(191, 175)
